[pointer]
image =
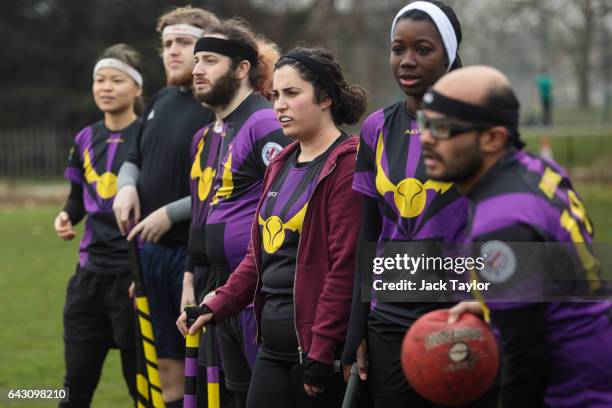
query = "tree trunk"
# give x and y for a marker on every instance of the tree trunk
(584, 45)
(606, 61)
(320, 31)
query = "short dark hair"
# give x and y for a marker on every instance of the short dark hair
(350, 103)
(503, 97)
(418, 15)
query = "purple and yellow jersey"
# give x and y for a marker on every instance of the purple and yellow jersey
(390, 168)
(252, 137)
(204, 157)
(528, 199)
(94, 161)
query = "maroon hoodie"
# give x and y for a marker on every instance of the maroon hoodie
(325, 265)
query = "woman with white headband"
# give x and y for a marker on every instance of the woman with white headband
(400, 204)
(98, 314)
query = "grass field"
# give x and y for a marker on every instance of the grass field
(34, 270)
(589, 149)
(35, 267)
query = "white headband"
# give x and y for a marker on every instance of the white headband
(182, 29)
(445, 28)
(119, 65)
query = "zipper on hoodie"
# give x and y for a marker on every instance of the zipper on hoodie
(255, 295)
(297, 336)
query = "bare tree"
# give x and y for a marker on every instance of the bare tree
(571, 26)
(606, 57)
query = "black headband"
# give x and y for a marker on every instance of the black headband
(317, 69)
(476, 114)
(226, 47)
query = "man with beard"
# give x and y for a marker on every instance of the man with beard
(230, 158)
(555, 353)
(156, 173)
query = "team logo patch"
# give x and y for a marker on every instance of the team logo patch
(270, 151)
(500, 261)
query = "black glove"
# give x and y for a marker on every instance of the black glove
(316, 373)
(193, 312)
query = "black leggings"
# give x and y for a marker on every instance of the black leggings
(281, 382)
(84, 361)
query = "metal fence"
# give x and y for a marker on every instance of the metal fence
(585, 154)
(41, 153)
(34, 153)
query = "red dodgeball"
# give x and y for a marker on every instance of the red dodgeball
(450, 364)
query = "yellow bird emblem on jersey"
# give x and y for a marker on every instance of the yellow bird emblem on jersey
(273, 230)
(409, 195)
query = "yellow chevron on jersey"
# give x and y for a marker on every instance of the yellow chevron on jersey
(549, 182)
(205, 176)
(274, 229)
(227, 183)
(90, 174)
(590, 264)
(409, 195)
(106, 184)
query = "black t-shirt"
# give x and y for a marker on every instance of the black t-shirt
(94, 161)
(162, 153)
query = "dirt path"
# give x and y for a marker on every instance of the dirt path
(30, 194)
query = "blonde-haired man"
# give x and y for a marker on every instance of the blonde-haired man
(155, 174)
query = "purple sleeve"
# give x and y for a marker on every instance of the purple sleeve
(195, 141)
(259, 141)
(74, 168)
(365, 168)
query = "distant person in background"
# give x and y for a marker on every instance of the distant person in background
(98, 314)
(544, 84)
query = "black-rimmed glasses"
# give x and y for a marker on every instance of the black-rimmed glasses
(444, 128)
